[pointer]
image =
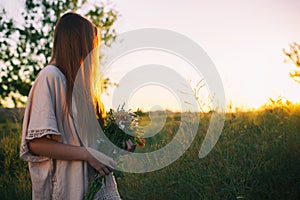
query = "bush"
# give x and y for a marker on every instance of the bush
(14, 176)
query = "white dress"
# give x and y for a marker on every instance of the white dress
(55, 179)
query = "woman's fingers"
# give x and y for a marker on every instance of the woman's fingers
(130, 142)
(101, 172)
(106, 170)
(110, 169)
(100, 167)
(130, 145)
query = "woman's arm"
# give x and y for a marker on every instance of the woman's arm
(50, 148)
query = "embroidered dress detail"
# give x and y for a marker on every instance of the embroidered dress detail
(40, 133)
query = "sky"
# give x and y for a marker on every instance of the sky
(244, 39)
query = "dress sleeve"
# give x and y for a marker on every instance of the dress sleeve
(40, 114)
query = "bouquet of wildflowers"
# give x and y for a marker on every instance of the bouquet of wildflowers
(119, 126)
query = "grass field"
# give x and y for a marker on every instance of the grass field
(256, 157)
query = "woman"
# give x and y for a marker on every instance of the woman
(59, 164)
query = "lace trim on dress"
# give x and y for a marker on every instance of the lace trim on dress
(24, 149)
(38, 133)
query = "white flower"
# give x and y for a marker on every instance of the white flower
(121, 126)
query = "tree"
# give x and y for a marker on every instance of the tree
(293, 55)
(26, 48)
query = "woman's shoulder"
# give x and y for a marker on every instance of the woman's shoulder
(52, 72)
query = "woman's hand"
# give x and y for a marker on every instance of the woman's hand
(130, 146)
(97, 165)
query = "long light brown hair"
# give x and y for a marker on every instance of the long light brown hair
(76, 39)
